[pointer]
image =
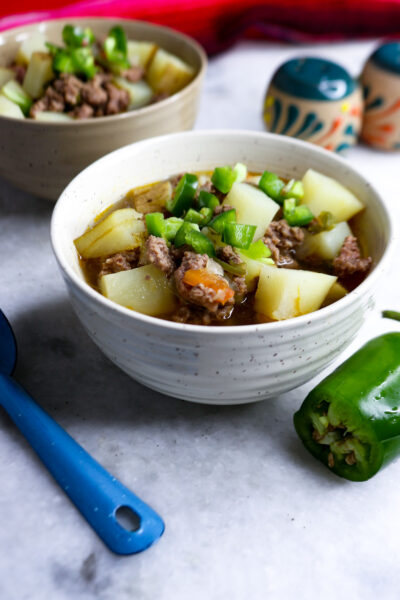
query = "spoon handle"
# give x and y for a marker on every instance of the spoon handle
(91, 488)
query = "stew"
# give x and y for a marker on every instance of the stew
(227, 247)
(88, 77)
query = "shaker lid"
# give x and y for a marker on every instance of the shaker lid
(314, 79)
(387, 57)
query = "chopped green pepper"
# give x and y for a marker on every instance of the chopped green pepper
(351, 420)
(184, 195)
(171, 228)
(296, 215)
(293, 189)
(180, 238)
(272, 185)
(16, 93)
(223, 178)
(324, 222)
(52, 48)
(218, 223)
(193, 216)
(240, 171)
(238, 235)
(76, 60)
(83, 60)
(236, 269)
(207, 214)
(201, 217)
(116, 48)
(75, 37)
(160, 227)
(258, 251)
(199, 242)
(207, 200)
(189, 234)
(155, 224)
(62, 61)
(391, 314)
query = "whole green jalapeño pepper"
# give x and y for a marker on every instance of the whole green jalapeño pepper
(351, 420)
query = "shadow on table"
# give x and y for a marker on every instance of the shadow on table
(15, 202)
(70, 378)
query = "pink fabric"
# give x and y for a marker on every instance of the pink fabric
(218, 23)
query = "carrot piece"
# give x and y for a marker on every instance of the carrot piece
(209, 280)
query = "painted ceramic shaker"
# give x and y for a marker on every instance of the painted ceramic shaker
(381, 84)
(317, 100)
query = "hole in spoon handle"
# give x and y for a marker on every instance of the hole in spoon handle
(91, 488)
(128, 518)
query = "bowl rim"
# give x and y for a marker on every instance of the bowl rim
(150, 108)
(292, 323)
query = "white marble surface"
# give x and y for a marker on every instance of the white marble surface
(249, 514)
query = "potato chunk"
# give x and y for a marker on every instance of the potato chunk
(145, 289)
(52, 117)
(322, 193)
(336, 292)
(38, 73)
(140, 93)
(327, 244)
(6, 75)
(10, 109)
(167, 73)
(253, 207)
(16, 93)
(286, 293)
(121, 230)
(151, 198)
(36, 42)
(253, 270)
(140, 54)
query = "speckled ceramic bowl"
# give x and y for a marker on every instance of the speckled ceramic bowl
(216, 365)
(42, 158)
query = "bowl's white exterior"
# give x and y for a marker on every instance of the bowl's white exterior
(216, 365)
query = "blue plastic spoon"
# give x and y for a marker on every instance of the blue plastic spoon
(101, 499)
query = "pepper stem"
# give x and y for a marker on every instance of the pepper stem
(343, 445)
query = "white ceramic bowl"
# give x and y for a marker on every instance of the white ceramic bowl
(216, 365)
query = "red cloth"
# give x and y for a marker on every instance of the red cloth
(218, 23)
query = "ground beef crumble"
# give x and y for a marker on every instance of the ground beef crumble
(349, 260)
(93, 92)
(157, 253)
(96, 97)
(83, 111)
(221, 208)
(69, 87)
(122, 261)
(199, 294)
(240, 287)
(209, 187)
(133, 74)
(51, 101)
(229, 255)
(282, 240)
(20, 71)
